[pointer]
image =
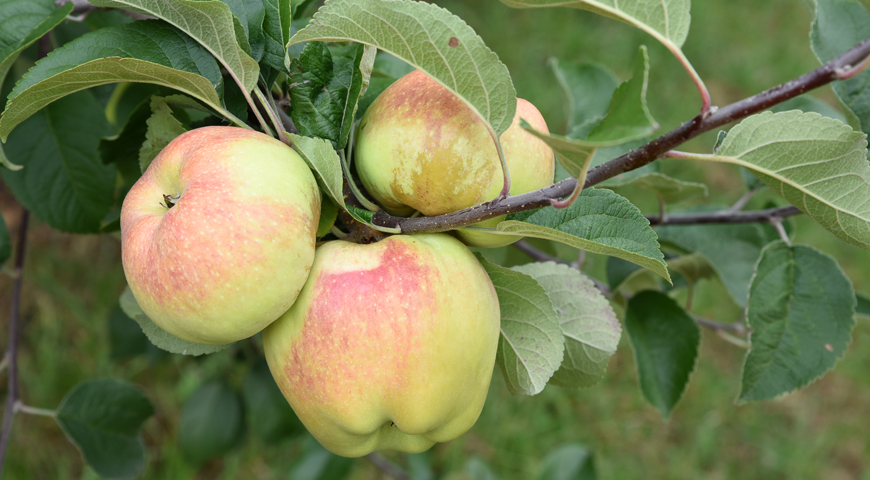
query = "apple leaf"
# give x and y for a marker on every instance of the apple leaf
(324, 162)
(600, 221)
(146, 51)
(250, 14)
(327, 85)
(732, 250)
(429, 38)
(801, 310)
(665, 342)
(862, 309)
(163, 127)
(666, 20)
(276, 30)
(159, 337)
(807, 103)
(628, 119)
(588, 323)
(64, 183)
(532, 345)
(318, 463)
(24, 22)
(328, 216)
(209, 22)
(816, 163)
(840, 25)
(268, 413)
(587, 90)
(104, 418)
(669, 189)
(568, 462)
(212, 422)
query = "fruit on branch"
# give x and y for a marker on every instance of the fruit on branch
(390, 346)
(419, 147)
(217, 237)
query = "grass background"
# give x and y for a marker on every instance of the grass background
(739, 47)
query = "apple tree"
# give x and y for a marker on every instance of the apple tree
(95, 90)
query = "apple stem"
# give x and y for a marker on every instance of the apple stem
(365, 202)
(271, 111)
(506, 189)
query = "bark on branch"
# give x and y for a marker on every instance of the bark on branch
(638, 157)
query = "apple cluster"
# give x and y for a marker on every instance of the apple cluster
(385, 346)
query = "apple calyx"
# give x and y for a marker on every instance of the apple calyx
(170, 200)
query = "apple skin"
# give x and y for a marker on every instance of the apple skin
(419, 147)
(390, 346)
(234, 251)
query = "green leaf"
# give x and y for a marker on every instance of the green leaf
(569, 462)
(665, 342)
(817, 164)
(531, 345)
(628, 119)
(429, 38)
(666, 20)
(250, 14)
(146, 51)
(732, 250)
(628, 116)
(103, 419)
(209, 22)
(5, 242)
(123, 149)
(801, 310)
(588, 323)
(324, 162)
(276, 30)
(327, 87)
(670, 190)
(839, 26)
(268, 413)
(328, 216)
(65, 184)
(125, 336)
(807, 103)
(319, 464)
(159, 337)
(476, 468)
(212, 422)
(163, 127)
(600, 221)
(863, 307)
(24, 22)
(586, 88)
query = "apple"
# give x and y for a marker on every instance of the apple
(390, 346)
(421, 148)
(217, 236)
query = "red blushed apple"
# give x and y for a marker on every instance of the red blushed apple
(419, 147)
(217, 237)
(390, 346)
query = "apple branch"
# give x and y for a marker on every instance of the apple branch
(726, 216)
(638, 157)
(12, 349)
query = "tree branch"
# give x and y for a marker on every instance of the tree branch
(726, 216)
(536, 254)
(12, 349)
(638, 157)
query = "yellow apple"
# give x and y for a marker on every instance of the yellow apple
(217, 237)
(390, 346)
(420, 148)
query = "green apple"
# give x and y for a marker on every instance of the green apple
(420, 148)
(217, 237)
(390, 346)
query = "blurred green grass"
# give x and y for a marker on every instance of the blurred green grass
(740, 47)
